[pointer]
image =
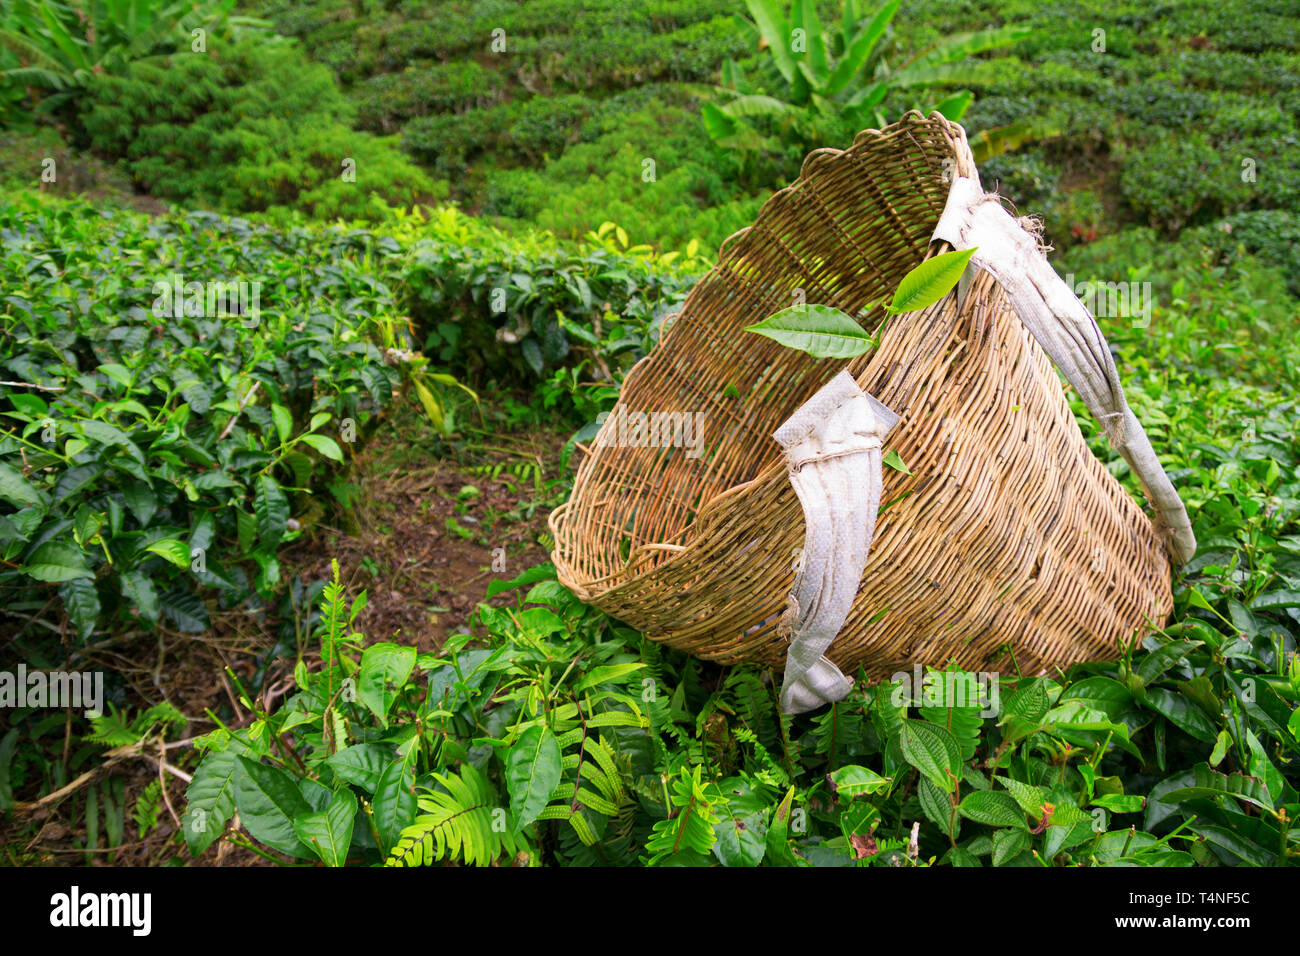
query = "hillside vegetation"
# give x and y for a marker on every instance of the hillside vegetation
(436, 262)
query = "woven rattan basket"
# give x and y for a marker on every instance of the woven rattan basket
(1009, 539)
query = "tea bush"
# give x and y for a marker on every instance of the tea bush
(158, 450)
(249, 128)
(690, 191)
(517, 132)
(551, 735)
(384, 103)
(1189, 179)
(1271, 235)
(571, 740)
(518, 308)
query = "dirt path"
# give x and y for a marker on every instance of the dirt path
(422, 538)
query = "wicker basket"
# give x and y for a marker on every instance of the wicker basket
(1008, 542)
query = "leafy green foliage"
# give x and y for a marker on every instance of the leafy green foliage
(58, 48)
(819, 330)
(460, 823)
(820, 85)
(687, 836)
(248, 127)
(691, 192)
(563, 721)
(516, 308)
(146, 461)
(930, 281)
(826, 332)
(115, 730)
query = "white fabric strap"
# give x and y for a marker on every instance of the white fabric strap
(832, 448)
(1069, 335)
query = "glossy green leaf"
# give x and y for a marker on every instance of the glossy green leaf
(533, 771)
(329, 832)
(269, 801)
(209, 800)
(172, 550)
(17, 490)
(394, 803)
(271, 507)
(384, 669)
(819, 330)
(55, 561)
(325, 445)
(930, 281)
(852, 781)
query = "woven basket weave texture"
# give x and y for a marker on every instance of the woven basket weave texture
(1008, 539)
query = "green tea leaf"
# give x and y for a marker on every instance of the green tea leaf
(209, 800)
(394, 804)
(139, 591)
(819, 330)
(1221, 745)
(360, 764)
(185, 610)
(1120, 802)
(895, 461)
(325, 445)
(1181, 712)
(81, 601)
(1239, 846)
(17, 490)
(283, 422)
(533, 771)
(271, 507)
(54, 561)
(269, 801)
(329, 831)
(930, 281)
(1104, 694)
(384, 669)
(172, 550)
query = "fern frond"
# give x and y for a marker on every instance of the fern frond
(596, 802)
(618, 844)
(148, 807)
(840, 731)
(466, 822)
(767, 769)
(594, 761)
(952, 699)
(692, 827)
(111, 729)
(604, 755)
(582, 828)
(617, 718)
